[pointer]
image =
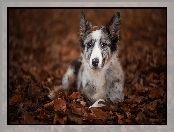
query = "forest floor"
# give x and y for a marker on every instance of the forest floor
(42, 44)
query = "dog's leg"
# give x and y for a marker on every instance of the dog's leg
(68, 79)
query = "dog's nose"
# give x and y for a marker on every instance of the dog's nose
(95, 62)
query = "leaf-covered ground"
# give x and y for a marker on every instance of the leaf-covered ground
(42, 43)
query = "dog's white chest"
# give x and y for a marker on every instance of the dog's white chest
(95, 78)
(91, 84)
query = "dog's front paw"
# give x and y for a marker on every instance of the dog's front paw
(99, 103)
(54, 93)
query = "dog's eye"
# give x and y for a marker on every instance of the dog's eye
(103, 44)
(89, 44)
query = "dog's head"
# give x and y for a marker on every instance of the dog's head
(99, 43)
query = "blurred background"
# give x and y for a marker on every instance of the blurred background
(43, 42)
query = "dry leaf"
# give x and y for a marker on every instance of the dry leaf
(74, 95)
(28, 119)
(16, 98)
(59, 105)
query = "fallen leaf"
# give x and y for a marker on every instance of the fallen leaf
(74, 95)
(28, 119)
(16, 98)
(98, 114)
(151, 114)
(83, 103)
(78, 111)
(162, 78)
(55, 119)
(156, 93)
(75, 119)
(112, 120)
(49, 104)
(120, 118)
(140, 117)
(59, 105)
(58, 120)
(151, 106)
(138, 99)
(153, 85)
(44, 116)
(125, 108)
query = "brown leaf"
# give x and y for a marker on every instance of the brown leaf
(112, 119)
(108, 108)
(138, 99)
(155, 121)
(75, 118)
(16, 98)
(77, 108)
(55, 119)
(120, 118)
(162, 78)
(141, 82)
(138, 86)
(28, 119)
(140, 117)
(44, 116)
(98, 114)
(128, 114)
(83, 103)
(151, 106)
(62, 120)
(59, 105)
(125, 108)
(135, 78)
(49, 104)
(156, 93)
(129, 101)
(151, 114)
(127, 121)
(59, 120)
(74, 95)
(78, 111)
(150, 77)
(153, 85)
(131, 75)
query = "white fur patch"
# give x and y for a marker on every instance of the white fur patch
(96, 34)
(96, 104)
(96, 53)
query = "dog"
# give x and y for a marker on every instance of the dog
(97, 72)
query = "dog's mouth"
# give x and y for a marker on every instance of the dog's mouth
(96, 68)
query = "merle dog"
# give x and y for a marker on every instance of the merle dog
(97, 72)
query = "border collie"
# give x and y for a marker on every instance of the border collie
(97, 72)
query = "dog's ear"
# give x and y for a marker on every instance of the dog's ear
(84, 26)
(114, 26)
